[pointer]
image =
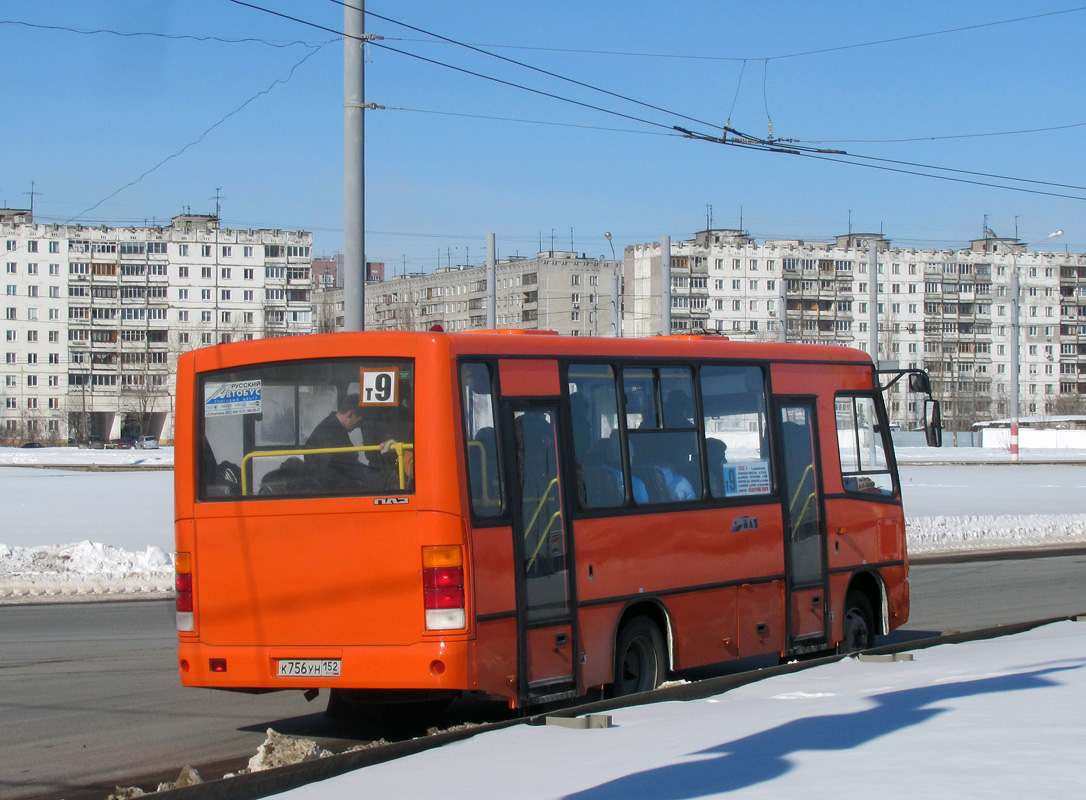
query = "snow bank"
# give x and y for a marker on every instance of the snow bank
(84, 457)
(95, 571)
(933, 535)
(84, 570)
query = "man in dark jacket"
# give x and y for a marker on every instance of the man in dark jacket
(338, 472)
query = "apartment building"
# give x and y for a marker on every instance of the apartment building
(95, 317)
(945, 310)
(555, 290)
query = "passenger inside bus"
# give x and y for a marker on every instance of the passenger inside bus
(389, 427)
(603, 476)
(717, 453)
(340, 471)
(678, 487)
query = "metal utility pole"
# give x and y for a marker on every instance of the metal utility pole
(873, 300)
(491, 284)
(354, 176)
(665, 285)
(1015, 336)
(782, 310)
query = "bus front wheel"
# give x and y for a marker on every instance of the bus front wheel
(639, 657)
(857, 624)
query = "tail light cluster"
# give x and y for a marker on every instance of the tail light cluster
(183, 584)
(443, 588)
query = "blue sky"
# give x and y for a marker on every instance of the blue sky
(455, 156)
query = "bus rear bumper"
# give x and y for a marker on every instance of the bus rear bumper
(425, 666)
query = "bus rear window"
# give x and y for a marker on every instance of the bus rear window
(332, 427)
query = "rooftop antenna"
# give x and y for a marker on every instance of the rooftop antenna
(31, 193)
(708, 216)
(850, 222)
(740, 219)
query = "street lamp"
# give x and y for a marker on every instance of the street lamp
(615, 291)
(1015, 335)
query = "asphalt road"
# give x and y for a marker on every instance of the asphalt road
(89, 696)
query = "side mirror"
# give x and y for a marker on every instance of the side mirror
(933, 423)
(920, 383)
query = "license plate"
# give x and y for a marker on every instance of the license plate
(309, 667)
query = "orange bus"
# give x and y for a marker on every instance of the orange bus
(525, 516)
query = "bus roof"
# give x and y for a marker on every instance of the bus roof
(526, 343)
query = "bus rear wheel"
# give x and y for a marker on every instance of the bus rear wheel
(639, 657)
(857, 624)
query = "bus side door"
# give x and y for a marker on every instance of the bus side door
(540, 518)
(804, 522)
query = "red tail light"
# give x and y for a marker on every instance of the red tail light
(183, 584)
(443, 587)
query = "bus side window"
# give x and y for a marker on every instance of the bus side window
(594, 418)
(664, 451)
(736, 445)
(862, 443)
(477, 400)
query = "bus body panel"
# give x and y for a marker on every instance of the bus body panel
(374, 667)
(661, 553)
(272, 580)
(761, 619)
(494, 659)
(864, 531)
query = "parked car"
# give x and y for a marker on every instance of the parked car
(32, 444)
(95, 442)
(147, 442)
(119, 444)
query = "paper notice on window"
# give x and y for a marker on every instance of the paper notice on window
(747, 478)
(231, 399)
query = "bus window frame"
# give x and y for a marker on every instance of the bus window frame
(695, 366)
(503, 518)
(893, 497)
(206, 472)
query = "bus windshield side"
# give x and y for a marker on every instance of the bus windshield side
(340, 427)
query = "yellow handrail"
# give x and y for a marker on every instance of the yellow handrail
(539, 507)
(399, 447)
(795, 520)
(556, 515)
(486, 499)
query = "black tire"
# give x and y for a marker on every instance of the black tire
(640, 659)
(857, 624)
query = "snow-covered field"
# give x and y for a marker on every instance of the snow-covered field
(90, 524)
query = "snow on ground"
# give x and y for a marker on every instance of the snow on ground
(112, 513)
(996, 718)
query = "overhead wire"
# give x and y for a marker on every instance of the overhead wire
(152, 34)
(944, 137)
(742, 140)
(201, 137)
(687, 56)
(769, 143)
